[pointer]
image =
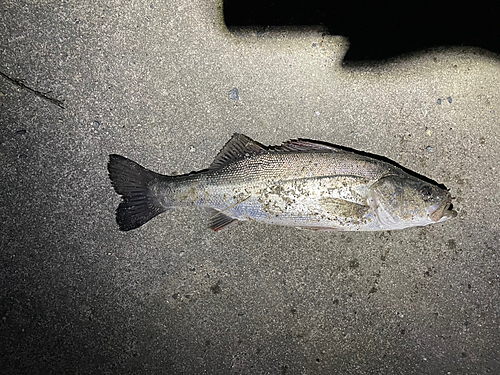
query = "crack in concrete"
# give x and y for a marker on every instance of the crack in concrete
(40, 94)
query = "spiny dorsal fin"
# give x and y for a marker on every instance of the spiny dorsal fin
(297, 145)
(236, 148)
(240, 146)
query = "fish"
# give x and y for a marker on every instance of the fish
(301, 183)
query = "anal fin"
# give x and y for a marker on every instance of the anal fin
(219, 220)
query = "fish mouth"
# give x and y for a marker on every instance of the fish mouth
(443, 211)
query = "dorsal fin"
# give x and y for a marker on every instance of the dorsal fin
(297, 145)
(240, 146)
(236, 148)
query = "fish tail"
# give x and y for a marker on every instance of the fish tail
(136, 184)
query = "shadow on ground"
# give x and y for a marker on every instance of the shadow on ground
(378, 30)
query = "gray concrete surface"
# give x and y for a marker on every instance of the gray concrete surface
(152, 81)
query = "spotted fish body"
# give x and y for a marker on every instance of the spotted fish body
(304, 184)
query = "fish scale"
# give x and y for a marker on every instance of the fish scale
(304, 165)
(301, 183)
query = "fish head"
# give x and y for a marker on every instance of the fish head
(406, 201)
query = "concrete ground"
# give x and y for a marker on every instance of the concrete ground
(152, 81)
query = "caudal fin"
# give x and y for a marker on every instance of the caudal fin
(134, 182)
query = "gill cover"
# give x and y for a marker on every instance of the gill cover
(404, 201)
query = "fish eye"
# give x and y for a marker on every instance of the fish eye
(426, 191)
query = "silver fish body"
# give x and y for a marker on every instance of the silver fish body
(305, 184)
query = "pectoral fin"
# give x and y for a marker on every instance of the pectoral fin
(342, 208)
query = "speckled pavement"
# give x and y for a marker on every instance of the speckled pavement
(154, 81)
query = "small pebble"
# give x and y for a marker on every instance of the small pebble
(192, 148)
(430, 149)
(439, 101)
(449, 99)
(234, 94)
(96, 124)
(22, 156)
(428, 132)
(21, 131)
(317, 113)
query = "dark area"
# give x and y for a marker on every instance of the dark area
(379, 30)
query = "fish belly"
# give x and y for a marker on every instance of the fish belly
(336, 203)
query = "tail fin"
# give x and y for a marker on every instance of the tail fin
(139, 202)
